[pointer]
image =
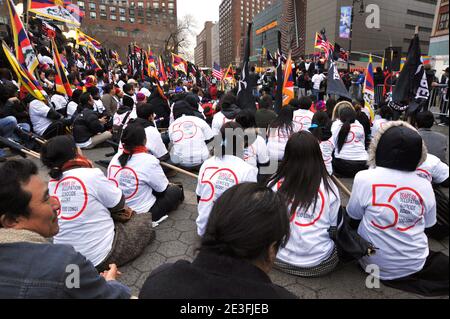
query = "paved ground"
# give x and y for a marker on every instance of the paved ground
(177, 239)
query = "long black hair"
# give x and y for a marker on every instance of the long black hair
(245, 221)
(76, 96)
(347, 117)
(56, 152)
(237, 148)
(133, 136)
(321, 124)
(301, 172)
(284, 120)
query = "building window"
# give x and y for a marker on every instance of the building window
(132, 20)
(81, 4)
(93, 15)
(102, 8)
(123, 19)
(420, 14)
(113, 17)
(92, 6)
(443, 21)
(122, 11)
(102, 16)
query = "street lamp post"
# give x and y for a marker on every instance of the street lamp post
(361, 11)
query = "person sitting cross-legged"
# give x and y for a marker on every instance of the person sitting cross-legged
(94, 217)
(395, 206)
(141, 178)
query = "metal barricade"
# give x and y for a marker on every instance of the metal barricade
(379, 98)
(438, 103)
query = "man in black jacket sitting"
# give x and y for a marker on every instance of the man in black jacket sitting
(88, 129)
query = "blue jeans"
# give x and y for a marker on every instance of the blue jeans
(316, 94)
(7, 126)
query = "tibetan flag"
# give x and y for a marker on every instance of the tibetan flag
(87, 41)
(25, 78)
(426, 59)
(92, 61)
(61, 81)
(22, 45)
(151, 60)
(162, 75)
(74, 10)
(115, 56)
(229, 74)
(369, 90)
(179, 64)
(48, 30)
(288, 84)
(402, 63)
(53, 9)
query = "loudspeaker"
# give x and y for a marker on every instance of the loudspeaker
(393, 56)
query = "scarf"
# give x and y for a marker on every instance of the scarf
(11, 236)
(77, 162)
(136, 150)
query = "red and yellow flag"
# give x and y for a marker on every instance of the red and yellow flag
(61, 81)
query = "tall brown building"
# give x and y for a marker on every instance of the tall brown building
(203, 50)
(233, 18)
(117, 23)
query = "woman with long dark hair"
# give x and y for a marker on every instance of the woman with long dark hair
(314, 204)
(141, 178)
(88, 203)
(349, 137)
(279, 133)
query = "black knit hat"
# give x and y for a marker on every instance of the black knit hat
(399, 148)
(182, 108)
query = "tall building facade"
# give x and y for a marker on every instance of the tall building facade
(398, 20)
(440, 38)
(215, 54)
(289, 17)
(117, 23)
(234, 16)
(203, 50)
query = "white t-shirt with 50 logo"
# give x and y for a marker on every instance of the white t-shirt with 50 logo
(395, 208)
(354, 148)
(310, 243)
(188, 135)
(215, 177)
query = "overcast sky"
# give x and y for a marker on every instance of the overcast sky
(202, 10)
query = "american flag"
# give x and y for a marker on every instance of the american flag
(217, 72)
